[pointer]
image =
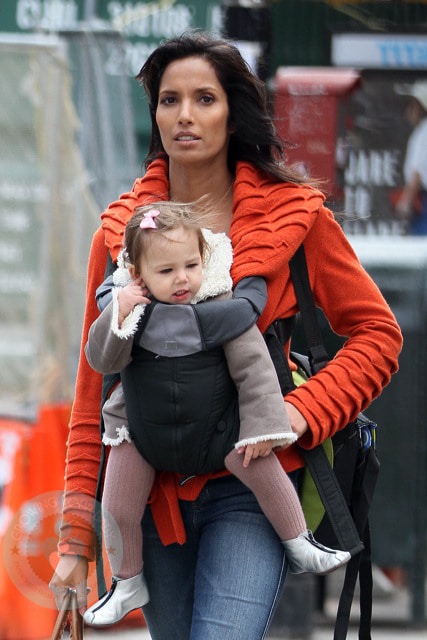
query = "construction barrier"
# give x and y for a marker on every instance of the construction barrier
(32, 457)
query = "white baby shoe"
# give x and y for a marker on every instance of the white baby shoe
(306, 555)
(124, 596)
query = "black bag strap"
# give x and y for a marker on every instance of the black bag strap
(275, 348)
(333, 500)
(348, 529)
(361, 564)
(316, 459)
(317, 354)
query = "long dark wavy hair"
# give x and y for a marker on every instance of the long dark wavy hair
(254, 138)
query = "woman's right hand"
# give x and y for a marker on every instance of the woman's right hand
(71, 573)
(299, 424)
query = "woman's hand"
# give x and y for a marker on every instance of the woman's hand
(71, 573)
(298, 422)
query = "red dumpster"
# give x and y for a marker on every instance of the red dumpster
(306, 106)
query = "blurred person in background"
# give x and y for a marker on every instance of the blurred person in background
(411, 205)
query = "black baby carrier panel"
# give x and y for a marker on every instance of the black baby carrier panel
(183, 412)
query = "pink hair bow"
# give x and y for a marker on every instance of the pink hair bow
(148, 221)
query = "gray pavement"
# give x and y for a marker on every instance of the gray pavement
(390, 622)
(323, 633)
(391, 618)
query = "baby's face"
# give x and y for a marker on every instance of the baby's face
(171, 268)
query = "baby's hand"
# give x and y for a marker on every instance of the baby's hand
(260, 449)
(129, 296)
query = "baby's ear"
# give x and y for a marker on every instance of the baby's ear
(132, 271)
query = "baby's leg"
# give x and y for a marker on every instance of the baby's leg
(279, 500)
(128, 482)
(274, 491)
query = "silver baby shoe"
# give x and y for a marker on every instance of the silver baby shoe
(124, 596)
(306, 555)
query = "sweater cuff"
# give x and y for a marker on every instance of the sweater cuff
(76, 548)
(279, 439)
(77, 534)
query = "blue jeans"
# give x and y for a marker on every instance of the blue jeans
(225, 582)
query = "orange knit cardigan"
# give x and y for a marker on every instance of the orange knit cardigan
(270, 220)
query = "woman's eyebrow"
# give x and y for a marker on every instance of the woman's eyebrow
(208, 88)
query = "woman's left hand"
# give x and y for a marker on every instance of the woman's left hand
(298, 422)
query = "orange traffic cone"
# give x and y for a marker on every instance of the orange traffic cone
(33, 459)
(33, 456)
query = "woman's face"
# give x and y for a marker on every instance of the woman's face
(192, 113)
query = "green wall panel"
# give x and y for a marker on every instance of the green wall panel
(301, 29)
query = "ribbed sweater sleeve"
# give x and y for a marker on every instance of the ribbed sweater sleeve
(84, 443)
(270, 222)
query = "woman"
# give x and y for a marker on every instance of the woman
(213, 564)
(168, 251)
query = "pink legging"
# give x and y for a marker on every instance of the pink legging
(128, 482)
